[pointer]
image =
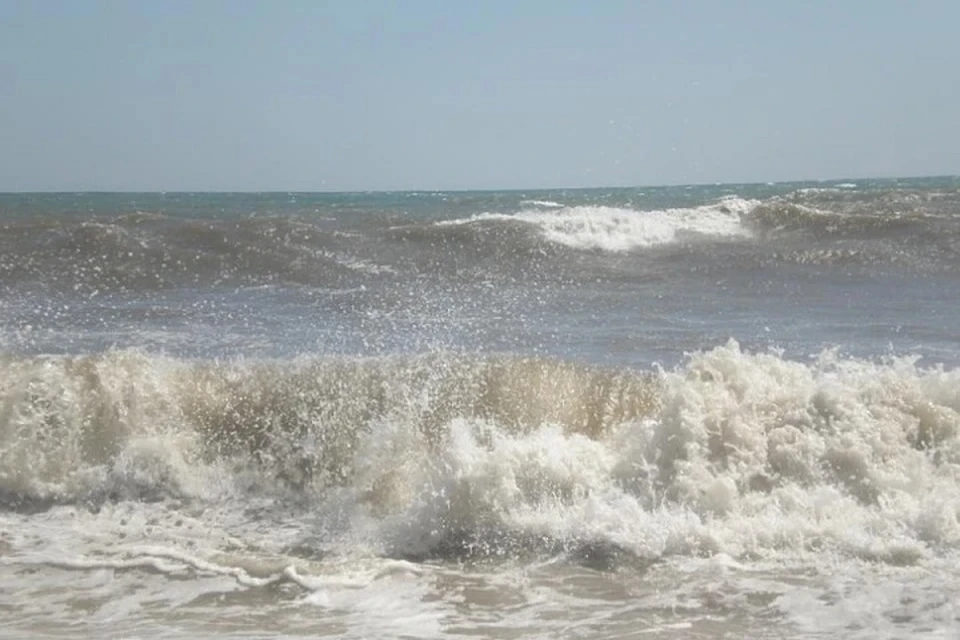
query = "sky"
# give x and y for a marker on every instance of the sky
(236, 95)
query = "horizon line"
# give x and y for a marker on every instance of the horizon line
(480, 190)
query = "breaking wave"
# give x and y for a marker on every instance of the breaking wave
(617, 229)
(143, 252)
(734, 452)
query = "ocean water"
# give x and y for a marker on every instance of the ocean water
(665, 412)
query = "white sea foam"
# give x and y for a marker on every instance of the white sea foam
(733, 452)
(816, 190)
(543, 203)
(748, 455)
(750, 478)
(616, 229)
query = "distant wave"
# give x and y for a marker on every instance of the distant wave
(139, 252)
(142, 252)
(543, 203)
(617, 229)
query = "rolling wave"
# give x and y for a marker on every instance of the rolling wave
(153, 252)
(617, 229)
(139, 251)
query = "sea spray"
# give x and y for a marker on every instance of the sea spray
(734, 452)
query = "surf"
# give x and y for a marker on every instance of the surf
(734, 452)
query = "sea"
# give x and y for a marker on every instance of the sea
(712, 411)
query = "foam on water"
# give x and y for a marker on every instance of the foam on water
(617, 229)
(735, 452)
(550, 204)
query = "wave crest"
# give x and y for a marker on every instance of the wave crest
(615, 229)
(67, 423)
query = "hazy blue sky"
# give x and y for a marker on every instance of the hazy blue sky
(363, 94)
